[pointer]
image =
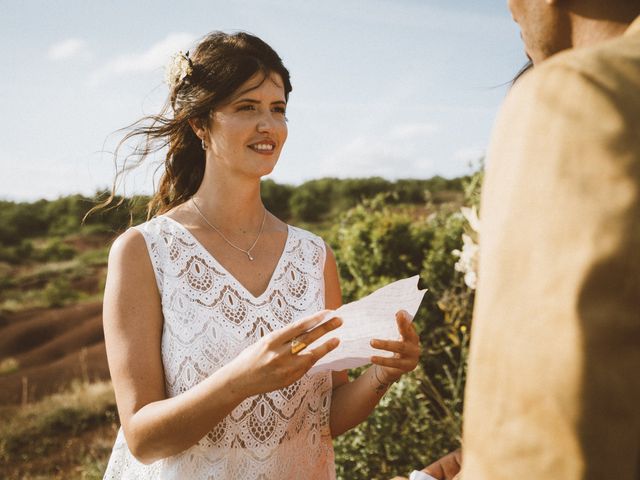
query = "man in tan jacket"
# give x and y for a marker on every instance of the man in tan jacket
(554, 372)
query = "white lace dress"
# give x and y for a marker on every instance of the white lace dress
(209, 318)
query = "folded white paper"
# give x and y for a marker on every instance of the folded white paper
(417, 475)
(373, 316)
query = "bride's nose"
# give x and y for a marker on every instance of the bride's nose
(265, 123)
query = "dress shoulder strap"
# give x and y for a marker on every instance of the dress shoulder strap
(159, 235)
(309, 248)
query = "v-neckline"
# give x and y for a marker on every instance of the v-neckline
(227, 272)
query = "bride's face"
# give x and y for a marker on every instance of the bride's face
(247, 132)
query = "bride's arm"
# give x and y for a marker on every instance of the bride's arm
(155, 426)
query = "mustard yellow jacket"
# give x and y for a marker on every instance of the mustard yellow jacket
(554, 374)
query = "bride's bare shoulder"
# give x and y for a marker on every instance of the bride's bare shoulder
(129, 258)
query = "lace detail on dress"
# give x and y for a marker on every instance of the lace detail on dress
(209, 318)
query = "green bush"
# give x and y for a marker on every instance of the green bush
(22, 220)
(420, 418)
(55, 251)
(97, 257)
(58, 292)
(7, 280)
(313, 199)
(376, 243)
(17, 253)
(64, 216)
(352, 191)
(276, 198)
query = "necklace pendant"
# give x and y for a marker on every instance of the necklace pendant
(213, 227)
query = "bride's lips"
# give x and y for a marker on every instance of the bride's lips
(263, 147)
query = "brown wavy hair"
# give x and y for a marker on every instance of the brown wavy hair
(221, 63)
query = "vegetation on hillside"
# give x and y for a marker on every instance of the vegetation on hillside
(420, 418)
(67, 435)
(379, 230)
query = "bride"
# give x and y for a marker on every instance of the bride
(210, 304)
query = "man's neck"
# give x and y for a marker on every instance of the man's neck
(595, 21)
(587, 32)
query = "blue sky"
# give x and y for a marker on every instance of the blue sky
(397, 88)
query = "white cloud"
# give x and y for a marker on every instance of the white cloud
(401, 152)
(154, 57)
(67, 49)
(412, 131)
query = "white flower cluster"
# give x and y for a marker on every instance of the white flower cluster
(468, 257)
(177, 69)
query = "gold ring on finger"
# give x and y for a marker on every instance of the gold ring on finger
(297, 346)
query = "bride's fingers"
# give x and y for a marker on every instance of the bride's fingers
(312, 335)
(315, 354)
(405, 326)
(402, 348)
(406, 365)
(299, 327)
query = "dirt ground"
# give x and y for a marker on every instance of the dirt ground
(45, 350)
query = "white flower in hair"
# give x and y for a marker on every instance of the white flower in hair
(178, 68)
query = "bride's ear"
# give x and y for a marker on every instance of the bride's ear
(198, 127)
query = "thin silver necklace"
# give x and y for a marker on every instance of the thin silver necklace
(246, 252)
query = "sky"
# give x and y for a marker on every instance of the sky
(394, 88)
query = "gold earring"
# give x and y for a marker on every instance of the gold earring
(204, 145)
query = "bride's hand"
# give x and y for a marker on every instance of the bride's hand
(406, 351)
(270, 364)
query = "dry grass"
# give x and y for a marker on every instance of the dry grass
(9, 365)
(68, 435)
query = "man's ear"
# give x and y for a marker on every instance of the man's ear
(198, 127)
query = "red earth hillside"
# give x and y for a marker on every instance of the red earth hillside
(52, 348)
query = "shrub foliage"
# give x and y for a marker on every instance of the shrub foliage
(419, 419)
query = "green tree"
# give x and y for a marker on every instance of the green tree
(312, 200)
(276, 198)
(22, 220)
